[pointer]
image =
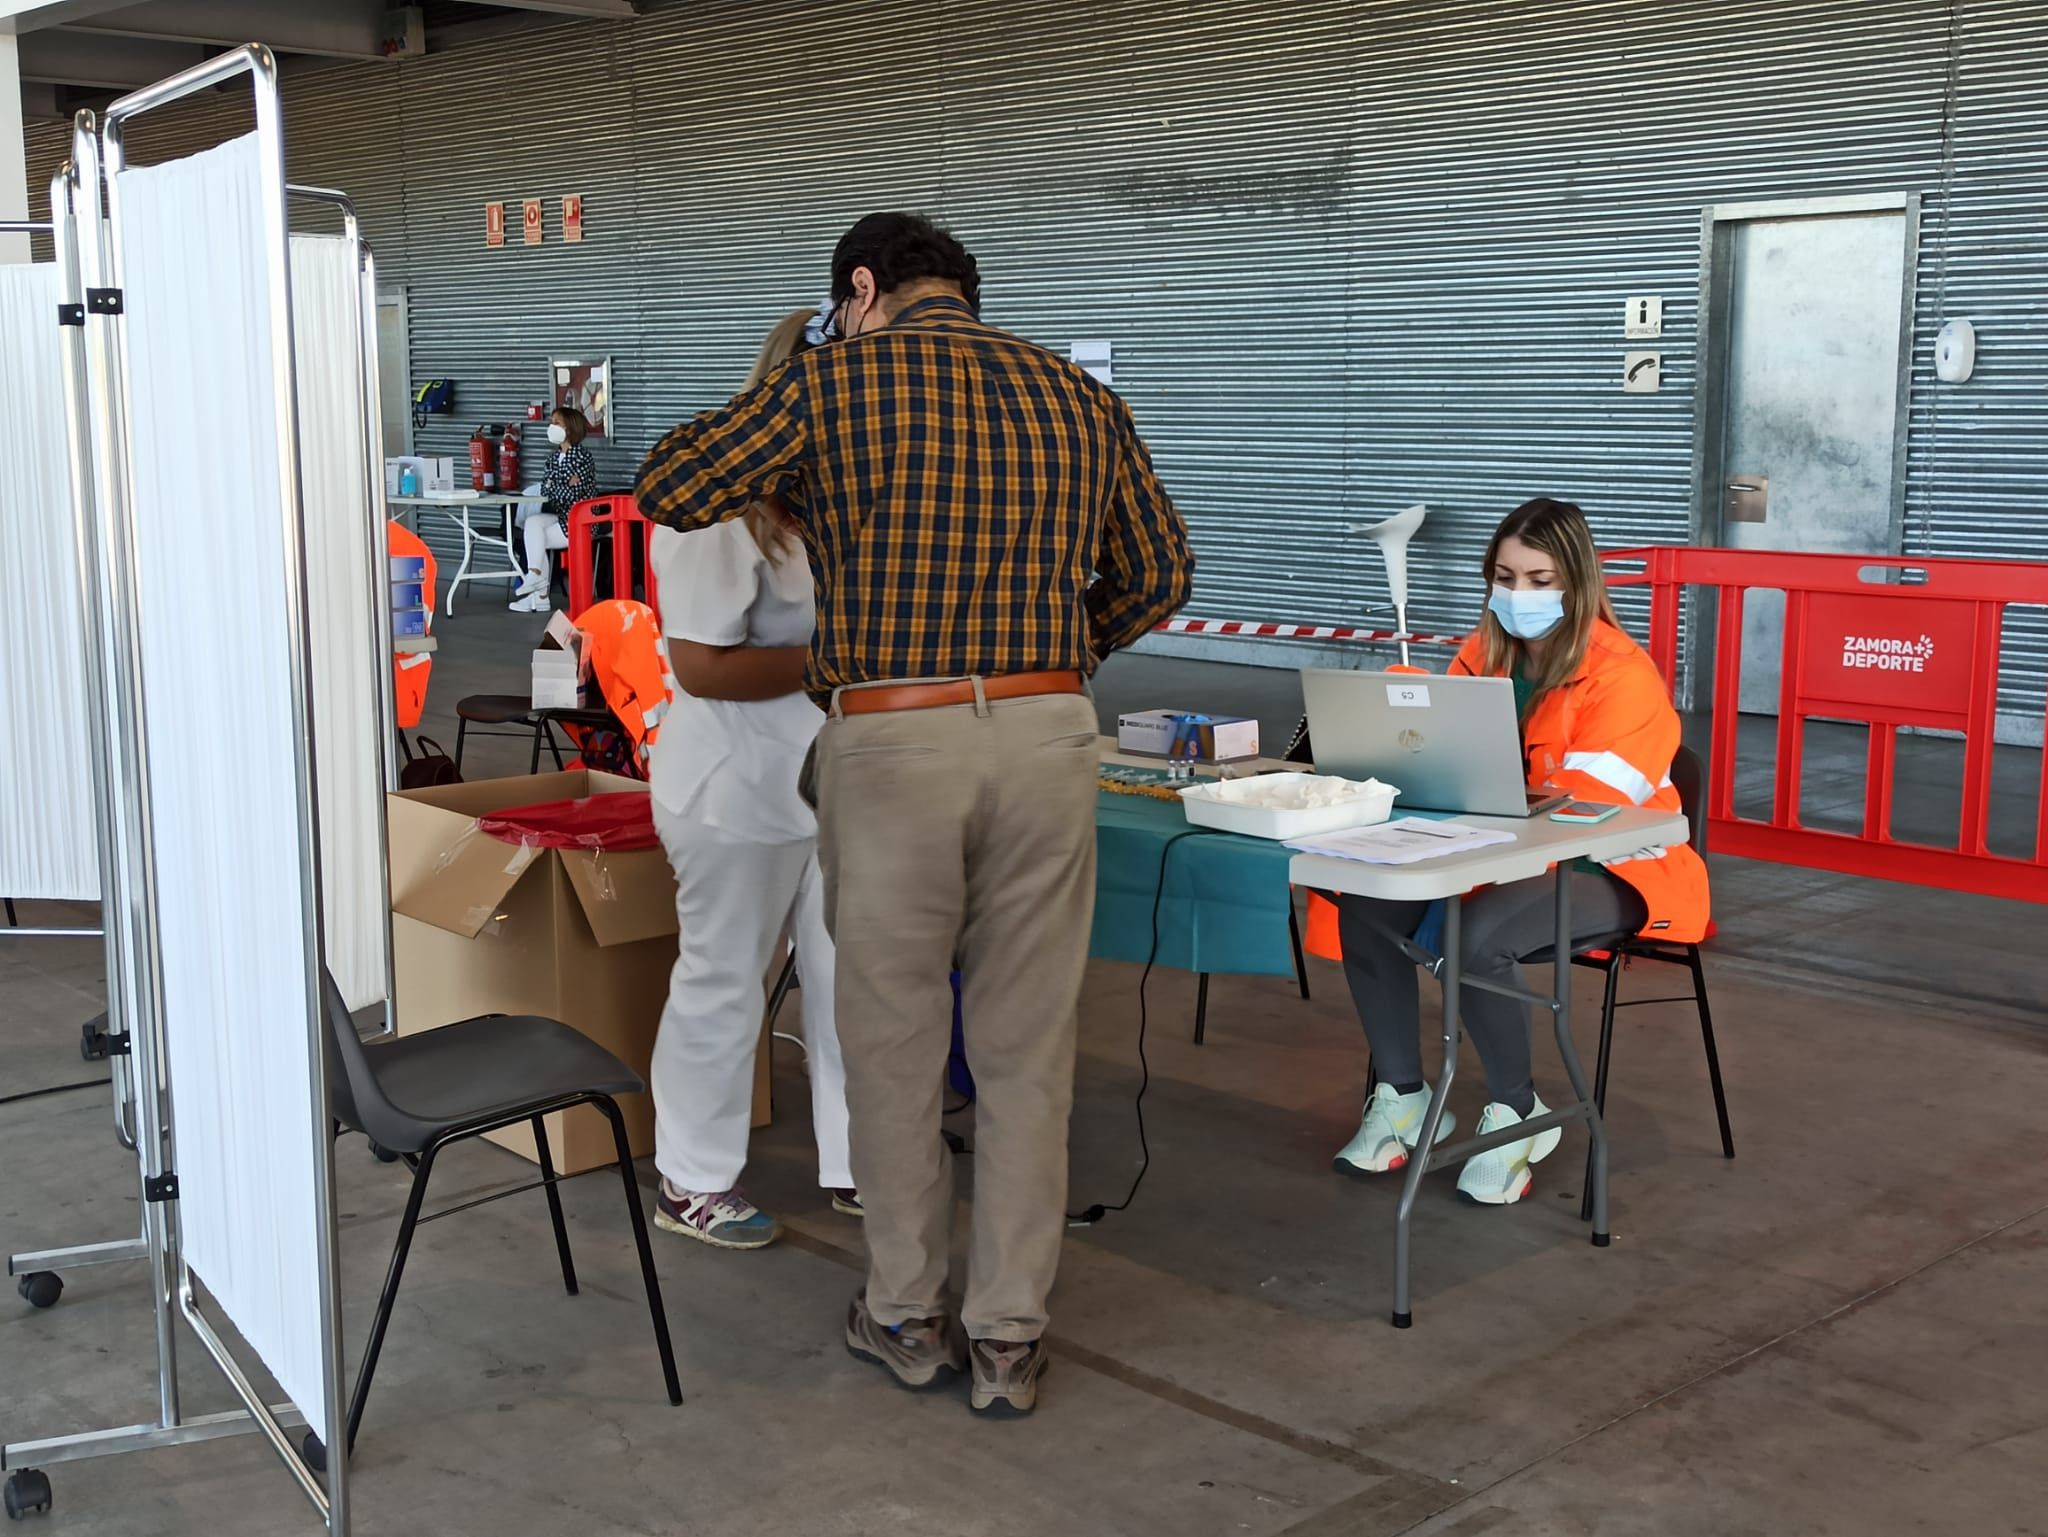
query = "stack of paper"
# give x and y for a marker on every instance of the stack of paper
(1406, 842)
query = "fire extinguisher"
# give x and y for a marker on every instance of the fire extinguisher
(508, 458)
(480, 475)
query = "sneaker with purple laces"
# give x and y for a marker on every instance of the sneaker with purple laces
(725, 1219)
(1006, 1374)
(920, 1352)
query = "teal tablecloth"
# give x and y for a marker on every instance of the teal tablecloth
(1225, 905)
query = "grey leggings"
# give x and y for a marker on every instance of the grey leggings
(1501, 925)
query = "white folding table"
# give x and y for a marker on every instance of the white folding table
(1541, 846)
(458, 508)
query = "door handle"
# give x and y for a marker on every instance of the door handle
(1746, 485)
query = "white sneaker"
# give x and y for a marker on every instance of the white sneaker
(531, 583)
(1387, 1134)
(1501, 1177)
(537, 603)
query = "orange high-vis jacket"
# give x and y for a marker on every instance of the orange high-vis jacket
(1608, 735)
(410, 670)
(629, 660)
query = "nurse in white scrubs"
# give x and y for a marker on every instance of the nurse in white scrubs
(738, 606)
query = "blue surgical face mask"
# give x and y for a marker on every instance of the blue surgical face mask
(1527, 615)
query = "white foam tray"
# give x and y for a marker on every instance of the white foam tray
(1205, 807)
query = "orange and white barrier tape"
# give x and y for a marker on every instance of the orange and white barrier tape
(1275, 631)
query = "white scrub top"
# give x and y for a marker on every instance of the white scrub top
(728, 763)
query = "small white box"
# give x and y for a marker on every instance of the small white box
(1218, 739)
(561, 668)
(438, 478)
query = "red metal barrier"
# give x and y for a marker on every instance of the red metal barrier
(1883, 653)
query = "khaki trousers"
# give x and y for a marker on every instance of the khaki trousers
(960, 835)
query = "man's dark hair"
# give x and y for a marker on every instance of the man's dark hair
(901, 248)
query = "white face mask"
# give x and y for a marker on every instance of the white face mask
(1527, 615)
(557, 433)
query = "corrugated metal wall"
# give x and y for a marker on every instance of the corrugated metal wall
(1352, 255)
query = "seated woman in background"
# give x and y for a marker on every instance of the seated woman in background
(570, 477)
(738, 607)
(1597, 722)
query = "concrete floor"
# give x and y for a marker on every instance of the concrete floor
(1839, 1332)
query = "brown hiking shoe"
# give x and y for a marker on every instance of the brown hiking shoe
(1006, 1374)
(919, 1353)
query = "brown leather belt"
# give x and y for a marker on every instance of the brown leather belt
(930, 696)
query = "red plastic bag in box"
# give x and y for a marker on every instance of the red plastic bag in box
(610, 824)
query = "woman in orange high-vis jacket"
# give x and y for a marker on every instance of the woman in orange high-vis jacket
(1597, 722)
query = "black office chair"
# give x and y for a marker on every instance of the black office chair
(1614, 953)
(514, 710)
(414, 1095)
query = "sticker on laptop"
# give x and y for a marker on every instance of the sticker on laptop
(1408, 696)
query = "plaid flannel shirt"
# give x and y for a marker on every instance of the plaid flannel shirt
(972, 504)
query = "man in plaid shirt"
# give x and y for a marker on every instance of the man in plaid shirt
(985, 527)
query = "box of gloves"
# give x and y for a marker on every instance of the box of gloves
(1216, 738)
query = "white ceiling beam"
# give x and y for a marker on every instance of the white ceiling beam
(110, 63)
(339, 29)
(34, 15)
(616, 10)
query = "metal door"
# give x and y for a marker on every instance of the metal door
(1814, 387)
(394, 389)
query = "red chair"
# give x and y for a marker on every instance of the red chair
(628, 528)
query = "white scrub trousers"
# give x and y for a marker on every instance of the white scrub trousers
(733, 897)
(540, 533)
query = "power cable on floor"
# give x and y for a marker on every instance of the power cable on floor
(55, 1088)
(1090, 1215)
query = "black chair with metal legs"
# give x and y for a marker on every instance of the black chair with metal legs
(1300, 976)
(414, 1095)
(1298, 751)
(1614, 953)
(515, 710)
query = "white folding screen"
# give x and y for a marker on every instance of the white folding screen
(221, 723)
(326, 338)
(48, 843)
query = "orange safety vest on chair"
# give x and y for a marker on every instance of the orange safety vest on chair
(410, 670)
(629, 660)
(1609, 736)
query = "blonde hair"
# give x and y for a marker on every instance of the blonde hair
(787, 340)
(1559, 530)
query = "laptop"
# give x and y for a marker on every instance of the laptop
(1446, 743)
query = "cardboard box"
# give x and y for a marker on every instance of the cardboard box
(1221, 739)
(438, 478)
(485, 927)
(561, 668)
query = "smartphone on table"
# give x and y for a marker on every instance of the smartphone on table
(1583, 811)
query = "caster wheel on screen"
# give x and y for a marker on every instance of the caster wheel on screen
(42, 1288)
(28, 1494)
